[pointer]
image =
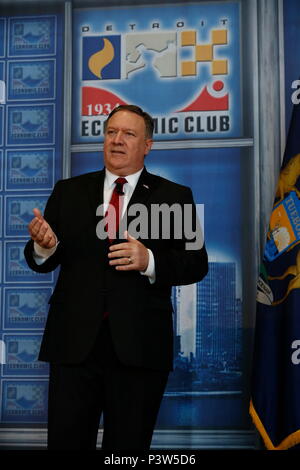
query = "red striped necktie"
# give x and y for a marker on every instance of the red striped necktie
(114, 210)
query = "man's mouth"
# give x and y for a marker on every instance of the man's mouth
(115, 151)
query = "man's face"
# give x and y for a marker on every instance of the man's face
(125, 143)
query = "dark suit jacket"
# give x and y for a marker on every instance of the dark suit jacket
(140, 313)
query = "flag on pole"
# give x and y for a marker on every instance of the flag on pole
(275, 392)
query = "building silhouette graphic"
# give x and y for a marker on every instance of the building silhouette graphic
(214, 361)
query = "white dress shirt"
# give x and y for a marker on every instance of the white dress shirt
(42, 254)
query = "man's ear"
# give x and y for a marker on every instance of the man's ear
(148, 145)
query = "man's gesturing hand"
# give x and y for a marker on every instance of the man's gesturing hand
(129, 256)
(40, 231)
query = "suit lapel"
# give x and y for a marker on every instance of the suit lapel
(95, 191)
(143, 189)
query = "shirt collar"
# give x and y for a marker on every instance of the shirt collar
(132, 179)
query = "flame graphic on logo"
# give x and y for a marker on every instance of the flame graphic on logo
(100, 59)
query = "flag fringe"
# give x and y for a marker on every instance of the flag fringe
(290, 441)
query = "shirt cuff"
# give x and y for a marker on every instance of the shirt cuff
(41, 254)
(150, 271)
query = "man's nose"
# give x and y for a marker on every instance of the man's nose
(118, 137)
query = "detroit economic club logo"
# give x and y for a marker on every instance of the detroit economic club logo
(110, 64)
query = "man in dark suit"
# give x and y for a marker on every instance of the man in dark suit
(109, 332)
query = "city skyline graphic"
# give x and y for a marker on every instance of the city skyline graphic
(208, 331)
